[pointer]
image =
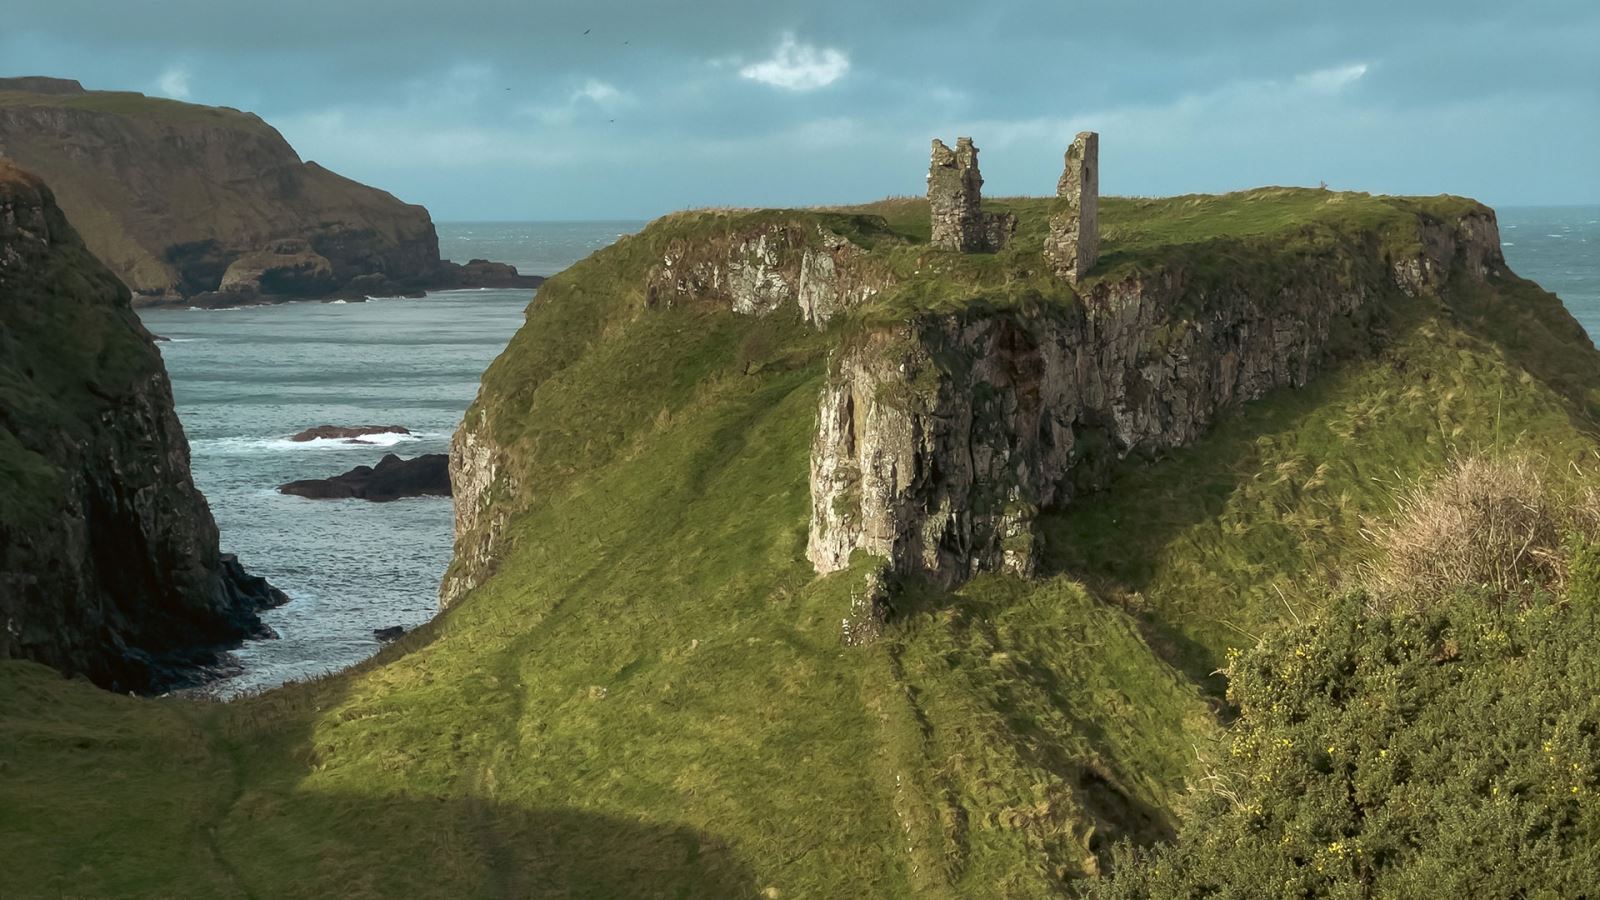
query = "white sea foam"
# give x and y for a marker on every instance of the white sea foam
(283, 444)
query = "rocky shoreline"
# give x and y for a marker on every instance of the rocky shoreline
(478, 274)
(109, 560)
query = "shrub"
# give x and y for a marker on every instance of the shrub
(1450, 749)
(1495, 525)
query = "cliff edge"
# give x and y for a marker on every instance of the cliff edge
(109, 565)
(189, 203)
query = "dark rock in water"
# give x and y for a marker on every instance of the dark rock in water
(392, 479)
(159, 338)
(109, 565)
(391, 633)
(251, 590)
(328, 432)
(481, 273)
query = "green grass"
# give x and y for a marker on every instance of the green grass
(137, 106)
(647, 694)
(1261, 519)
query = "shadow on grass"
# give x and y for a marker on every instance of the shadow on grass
(409, 847)
(106, 795)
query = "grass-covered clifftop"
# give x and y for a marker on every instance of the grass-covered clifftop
(639, 687)
(170, 194)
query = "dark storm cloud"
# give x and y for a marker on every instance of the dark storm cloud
(492, 107)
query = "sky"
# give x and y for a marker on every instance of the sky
(519, 109)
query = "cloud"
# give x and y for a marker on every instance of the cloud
(599, 93)
(1329, 81)
(798, 67)
(174, 83)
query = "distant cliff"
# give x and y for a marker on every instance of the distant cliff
(187, 202)
(109, 564)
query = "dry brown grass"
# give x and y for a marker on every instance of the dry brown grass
(1497, 525)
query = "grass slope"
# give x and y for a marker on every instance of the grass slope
(648, 695)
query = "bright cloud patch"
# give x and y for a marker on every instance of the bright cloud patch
(799, 67)
(597, 92)
(1334, 79)
(174, 83)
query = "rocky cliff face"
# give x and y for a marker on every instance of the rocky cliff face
(109, 564)
(941, 437)
(780, 264)
(965, 393)
(767, 267)
(184, 201)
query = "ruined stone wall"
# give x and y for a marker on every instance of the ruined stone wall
(955, 196)
(1073, 244)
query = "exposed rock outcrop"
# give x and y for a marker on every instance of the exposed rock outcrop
(481, 273)
(345, 432)
(391, 479)
(210, 204)
(109, 564)
(961, 399)
(763, 269)
(288, 267)
(940, 438)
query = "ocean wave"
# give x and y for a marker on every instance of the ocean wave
(278, 444)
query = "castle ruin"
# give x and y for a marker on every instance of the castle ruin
(1073, 244)
(955, 197)
(955, 202)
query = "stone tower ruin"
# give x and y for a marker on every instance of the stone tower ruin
(955, 195)
(955, 200)
(1073, 244)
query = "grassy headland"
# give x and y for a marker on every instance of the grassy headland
(647, 695)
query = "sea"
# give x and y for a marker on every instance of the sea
(246, 379)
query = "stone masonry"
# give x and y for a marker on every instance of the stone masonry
(954, 195)
(1074, 241)
(955, 200)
